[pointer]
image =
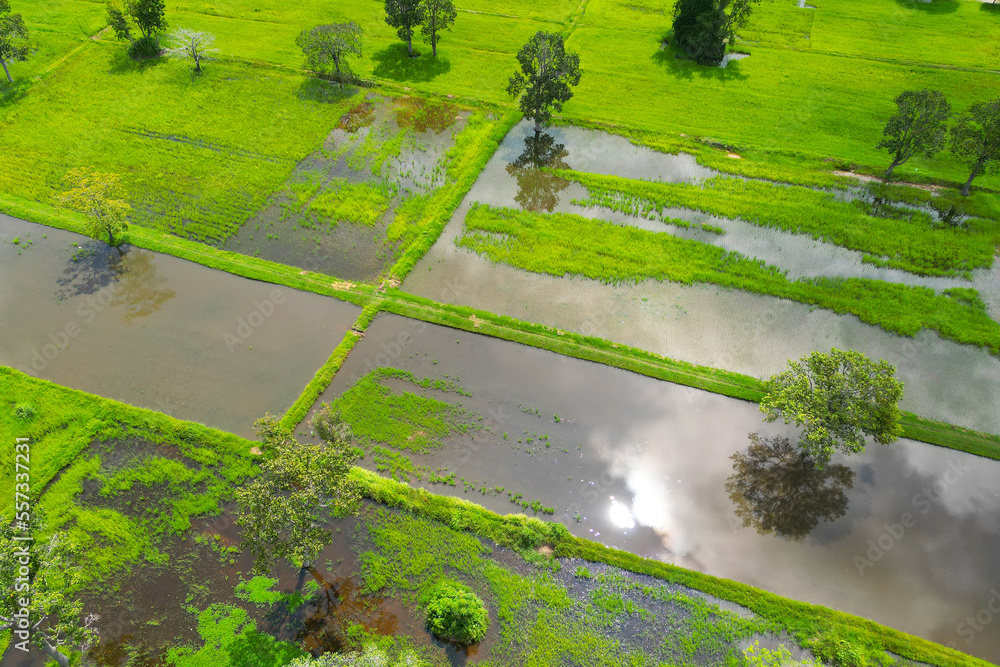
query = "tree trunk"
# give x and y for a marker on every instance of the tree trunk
(336, 64)
(434, 45)
(111, 236)
(888, 172)
(54, 653)
(197, 64)
(968, 183)
(409, 42)
(6, 71)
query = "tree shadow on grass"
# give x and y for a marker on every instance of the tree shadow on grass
(11, 94)
(680, 66)
(932, 7)
(992, 8)
(327, 92)
(123, 63)
(393, 62)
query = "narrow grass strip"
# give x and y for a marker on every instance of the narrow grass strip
(295, 414)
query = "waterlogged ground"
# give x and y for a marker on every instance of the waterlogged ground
(333, 215)
(738, 331)
(205, 594)
(646, 466)
(157, 331)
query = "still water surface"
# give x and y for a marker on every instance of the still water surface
(157, 331)
(647, 466)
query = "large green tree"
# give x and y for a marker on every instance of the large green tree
(405, 16)
(918, 126)
(838, 399)
(326, 47)
(703, 28)
(284, 509)
(438, 15)
(146, 15)
(547, 72)
(975, 139)
(13, 38)
(39, 580)
(100, 197)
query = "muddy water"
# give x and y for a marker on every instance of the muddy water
(157, 331)
(645, 465)
(738, 331)
(284, 232)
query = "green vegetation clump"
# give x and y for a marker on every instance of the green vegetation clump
(404, 420)
(455, 613)
(25, 411)
(357, 203)
(560, 244)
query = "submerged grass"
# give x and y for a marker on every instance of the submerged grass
(561, 244)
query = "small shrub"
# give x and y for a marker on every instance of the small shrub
(144, 47)
(455, 613)
(835, 650)
(25, 411)
(582, 573)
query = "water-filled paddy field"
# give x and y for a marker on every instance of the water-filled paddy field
(750, 333)
(157, 331)
(903, 534)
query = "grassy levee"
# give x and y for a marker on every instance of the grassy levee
(598, 350)
(320, 382)
(66, 421)
(912, 243)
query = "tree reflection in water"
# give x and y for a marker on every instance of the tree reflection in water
(778, 490)
(537, 189)
(116, 277)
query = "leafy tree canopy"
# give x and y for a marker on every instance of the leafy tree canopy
(100, 197)
(547, 72)
(13, 38)
(917, 127)
(404, 16)
(838, 399)
(438, 15)
(975, 138)
(50, 569)
(282, 511)
(326, 46)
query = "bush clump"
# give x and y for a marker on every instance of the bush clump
(144, 47)
(455, 613)
(24, 411)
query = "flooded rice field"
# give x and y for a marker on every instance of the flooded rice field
(156, 331)
(905, 534)
(703, 324)
(334, 213)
